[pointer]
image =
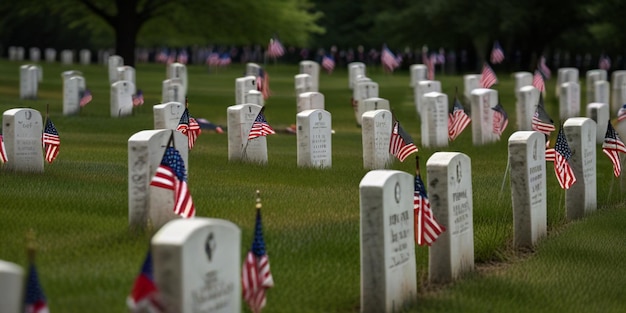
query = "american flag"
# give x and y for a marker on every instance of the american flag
(541, 121)
(497, 54)
(3, 151)
(224, 59)
(85, 97)
(183, 57)
(538, 81)
(255, 274)
(171, 175)
(171, 58)
(145, 295)
(430, 65)
(621, 113)
(604, 62)
(328, 63)
(161, 57)
(562, 169)
(190, 127)
(388, 60)
(51, 141)
(35, 301)
(260, 127)
(488, 77)
(263, 83)
(426, 227)
(275, 49)
(457, 120)
(138, 98)
(611, 146)
(401, 144)
(213, 59)
(500, 119)
(543, 68)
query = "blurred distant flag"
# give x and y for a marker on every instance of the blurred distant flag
(458, 119)
(401, 144)
(85, 97)
(35, 300)
(51, 141)
(500, 119)
(430, 65)
(263, 83)
(260, 127)
(497, 54)
(427, 229)
(538, 81)
(275, 49)
(562, 169)
(144, 297)
(213, 59)
(224, 59)
(543, 68)
(612, 146)
(328, 63)
(171, 175)
(161, 56)
(488, 77)
(388, 60)
(183, 57)
(541, 120)
(189, 127)
(255, 275)
(171, 58)
(3, 151)
(138, 98)
(604, 62)
(621, 113)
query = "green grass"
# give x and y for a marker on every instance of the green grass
(88, 258)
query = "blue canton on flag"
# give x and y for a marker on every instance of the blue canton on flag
(35, 299)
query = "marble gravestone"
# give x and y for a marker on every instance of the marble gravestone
(483, 99)
(50, 55)
(527, 99)
(19, 54)
(240, 120)
(312, 68)
(355, 69)
(470, 82)
(21, 130)
(67, 57)
(12, 53)
(522, 79)
(376, 135)
(422, 88)
(310, 101)
(172, 91)
(434, 126)
(121, 98)
(313, 134)
(569, 101)
(167, 115)
(127, 73)
(151, 205)
(363, 90)
(418, 74)
(618, 91)
(242, 86)
(388, 280)
(197, 265)
(599, 113)
(303, 83)
(375, 103)
(581, 197)
(113, 62)
(85, 57)
(30, 76)
(252, 69)
(179, 71)
(601, 92)
(73, 87)
(593, 76)
(255, 97)
(450, 194)
(12, 286)
(528, 187)
(34, 54)
(565, 75)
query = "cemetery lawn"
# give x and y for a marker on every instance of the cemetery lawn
(88, 258)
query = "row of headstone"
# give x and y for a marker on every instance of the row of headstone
(16, 53)
(74, 87)
(364, 88)
(356, 70)
(421, 88)
(30, 77)
(418, 74)
(176, 83)
(312, 69)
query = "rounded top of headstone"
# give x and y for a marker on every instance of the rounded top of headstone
(379, 178)
(597, 105)
(163, 105)
(314, 111)
(416, 66)
(483, 91)
(577, 121)
(471, 76)
(147, 134)
(16, 111)
(373, 113)
(8, 267)
(309, 94)
(528, 88)
(434, 94)
(521, 74)
(302, 76)
(176, 232)
(523, 136)
(444, 158)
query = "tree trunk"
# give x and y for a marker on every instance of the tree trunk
(127, 24)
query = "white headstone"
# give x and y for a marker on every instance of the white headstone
(21, 130)
(388, 280)
(569, 101)
(34, 54)
(255, 97)
(113, 62)
(522, 79)
(376, 135)
(528, 187)
(313, 134)
(303, 83)
(618, 91)
(422, 88)
(19, 54)
(85, 57)
(30, 76)
(197, 265)
(601, 92)
(12, 286)
(12, 53)
(450, 194)
(172, 91)
(67, 57)
(565, 75)
(527, 99)
(312, 68)
(363, 90)
(483, 100)
(599, 113)
(355, 69)
(470, 82)
(240, 120)
(593, 76)
(179, 70)
(252, 69)
(375, 103)
(167, 115)
(434, 119)
(418, 74)
(122, 98)
(127, 73)
(310, 101)
(581, 198)
(242, 86)
(51, 55)
(73, 87)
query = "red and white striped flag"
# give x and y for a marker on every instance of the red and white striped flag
(541, 121)
(388, 60)
(562, 169)
(545, 70)
(497, 54)
(500, 119)
(427, 229)
(328, 63)
(260, 127)
(3, 151)
(401, 144)
(255, 275)
(189, 127)
(488, 77)
(538, 81)
(275, 49)
(457, 120)
(621, 113)
(171, 175)
(51, 141)
(612, 146)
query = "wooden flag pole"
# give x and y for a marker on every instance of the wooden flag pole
(258, 200)
(417, 165)
(31, 245)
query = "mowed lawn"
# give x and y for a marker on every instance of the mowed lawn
(88, 258)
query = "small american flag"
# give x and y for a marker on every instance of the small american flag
(275, 49)
(145, 296)
(171, 58)
(255, 274)
(497, 54)
(488, 77)
(85, 97)
(328, 63)
(426, 227)
(183, 57)
(224, 59)
(190, 127)
(263, 83)
(35, 301)
(3, 151)
(171, 175)
(260, 127)
(543, 68)
(388, 60)
(612, 146)
(457, 120)
(541, 121)
(401, 144)
(51, 141)
(562, 169)
(213, 59)
(621, 113)
(604, 62)
(430, 65)
(538, 81)
(500, 119)
(138, 98)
